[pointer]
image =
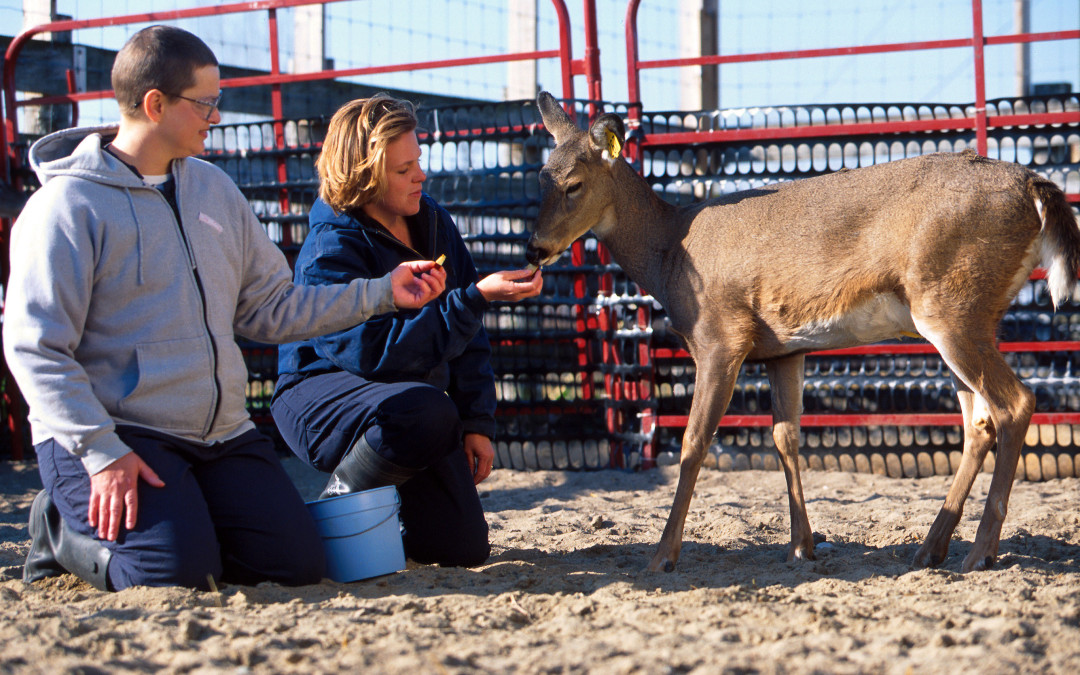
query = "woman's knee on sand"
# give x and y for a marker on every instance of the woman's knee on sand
(416, 427)
(185, 536)
(191, 557)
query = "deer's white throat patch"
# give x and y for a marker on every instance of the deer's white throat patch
(883, 317)
(605, 223)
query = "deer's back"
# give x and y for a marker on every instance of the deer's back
(832, 246)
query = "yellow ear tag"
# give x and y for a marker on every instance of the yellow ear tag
(614, 145)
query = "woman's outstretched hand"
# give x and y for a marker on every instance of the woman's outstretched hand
(416, 283)
(511, 285)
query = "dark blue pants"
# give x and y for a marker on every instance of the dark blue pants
(227, 510)
(415, 426)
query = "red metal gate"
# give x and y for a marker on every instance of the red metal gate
(595, 328)
(703, 141)
(279, 142)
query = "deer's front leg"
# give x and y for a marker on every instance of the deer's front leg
(715, 378)
(786, 380)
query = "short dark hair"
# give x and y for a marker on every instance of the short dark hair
(159, 57)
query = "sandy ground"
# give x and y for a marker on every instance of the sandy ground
(564, 590)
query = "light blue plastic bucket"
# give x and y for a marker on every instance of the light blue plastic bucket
(360, 533)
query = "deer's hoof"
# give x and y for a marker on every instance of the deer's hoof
(977, 562)
(802, 548)
(661, 564)
(667, 567)
(800, 554)
(925, 558)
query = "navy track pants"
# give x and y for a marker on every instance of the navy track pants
(415, 426)
(227, 510)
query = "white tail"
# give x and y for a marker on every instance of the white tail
(938, 244)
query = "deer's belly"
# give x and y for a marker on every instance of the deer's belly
(883, 317)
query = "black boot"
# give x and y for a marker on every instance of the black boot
(363, 469)
(55, 548)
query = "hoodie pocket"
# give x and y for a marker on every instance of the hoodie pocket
(175, 388)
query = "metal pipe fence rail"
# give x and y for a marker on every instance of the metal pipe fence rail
(483, 163)
(888, 408)
(978, 121)
(588, 374)
(273, 162)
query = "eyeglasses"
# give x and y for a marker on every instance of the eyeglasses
(211, 104)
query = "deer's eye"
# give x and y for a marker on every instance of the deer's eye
(573, 189)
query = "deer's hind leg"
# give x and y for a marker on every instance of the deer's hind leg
(979, 437)
(974, 358)
(786, 380)
(717, 368)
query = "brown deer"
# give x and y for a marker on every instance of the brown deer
(938, 244)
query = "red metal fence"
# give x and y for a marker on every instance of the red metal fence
(588, 374)
(979, 119)
(276, 146)
(788, 142)
(587, 66)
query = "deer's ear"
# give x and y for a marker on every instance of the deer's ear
(607, 134)
(557, 122)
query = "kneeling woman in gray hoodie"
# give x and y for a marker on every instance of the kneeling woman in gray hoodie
(132, 269)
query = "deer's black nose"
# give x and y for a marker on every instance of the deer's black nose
(533, 254)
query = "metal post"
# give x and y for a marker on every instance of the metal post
(698, 21)
(1022, 23)
(521, 32)
(566, 51)
(592, 57)
(633, 82)
(978, 42)
(47, 118)
(279, 125)
(309, 39)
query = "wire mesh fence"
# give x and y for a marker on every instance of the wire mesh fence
(585, 371)
(854, 385)
(576, 374)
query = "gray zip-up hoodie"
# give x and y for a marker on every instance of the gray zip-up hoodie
(116, 313)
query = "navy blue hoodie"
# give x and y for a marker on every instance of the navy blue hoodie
(442, 344)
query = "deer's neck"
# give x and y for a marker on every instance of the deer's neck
(642, 230)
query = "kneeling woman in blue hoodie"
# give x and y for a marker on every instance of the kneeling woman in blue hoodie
(405, 399)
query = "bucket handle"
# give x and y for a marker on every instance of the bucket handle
(397, 509)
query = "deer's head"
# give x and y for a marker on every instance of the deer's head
(578, 187)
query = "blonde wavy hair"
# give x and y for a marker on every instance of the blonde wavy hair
(352, 162)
